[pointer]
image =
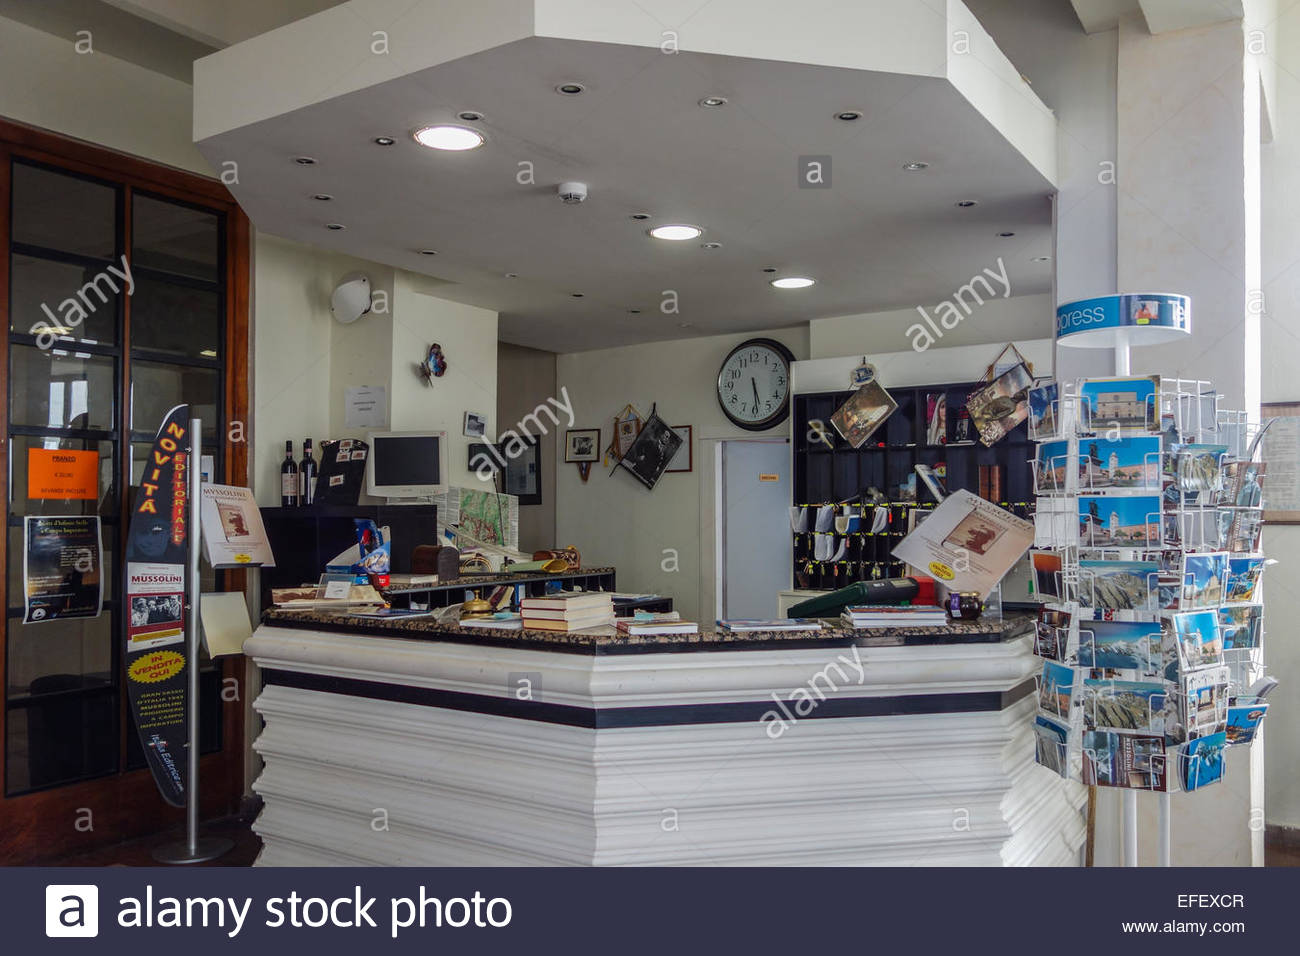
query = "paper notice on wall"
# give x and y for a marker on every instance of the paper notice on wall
(365, 406)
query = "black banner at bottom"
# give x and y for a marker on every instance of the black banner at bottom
(627, 911)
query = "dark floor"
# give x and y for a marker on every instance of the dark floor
(139, 852)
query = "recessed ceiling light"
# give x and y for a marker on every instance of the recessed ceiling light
(713, 102)
(684, 325)
(304, 161)
(469, 116)
(769, 269)
(967, 203)
(577, 295)
(570, 89)
(428, 252)
(1042, 259)
(633, 311)
(335, 226)
(639, 216)
(710, 245)
(322, 197)
(209, 353)
(384, 141)
(454, 138)
(848, 116)
(793, 282)
(676, 232)
(512, 275)
(1005, 235)
(915, 167)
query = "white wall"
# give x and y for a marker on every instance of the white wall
(613, 519)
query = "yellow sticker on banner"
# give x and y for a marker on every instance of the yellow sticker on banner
(941, 571)
(156, 667)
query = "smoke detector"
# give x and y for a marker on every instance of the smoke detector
(572, 193)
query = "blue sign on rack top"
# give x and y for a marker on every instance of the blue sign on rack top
(1144, 318)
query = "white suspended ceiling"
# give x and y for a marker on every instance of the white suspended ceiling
(930, 84)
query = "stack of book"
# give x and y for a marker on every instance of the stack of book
(567, 611)
(650, 624)
(893, 615)
(739, 626)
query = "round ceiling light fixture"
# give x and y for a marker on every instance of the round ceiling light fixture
(769, 269)
(710, 245)
(633, 311)
(793, 282)
(512, 275)
(577, 295)
(304, 161)
(849, 116)
(676, 232)
(335, 226)
(323, 197)
(639, 216)
(713, 102)
(967, 203)
(1005, 235)
(1041, 259)
(570, 89)
(453, 138)
(428, 252)
(470, 116)
(384, 141)
(915, 167)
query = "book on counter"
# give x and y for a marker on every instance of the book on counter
(644, 625)
(741, 626)
(893, 615)
(567, 611)
(568, 601)
(509, 622)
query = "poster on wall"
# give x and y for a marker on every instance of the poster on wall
(62, 568)
(154, 652)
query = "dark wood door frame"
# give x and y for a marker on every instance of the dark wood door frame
(42, 826)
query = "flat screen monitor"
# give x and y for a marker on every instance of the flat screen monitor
(407, 464)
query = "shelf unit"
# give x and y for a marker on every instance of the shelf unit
(535, 584)
(831, 475)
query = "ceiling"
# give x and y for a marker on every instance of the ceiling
(879, 238)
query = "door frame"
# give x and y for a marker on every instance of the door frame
(47, 824)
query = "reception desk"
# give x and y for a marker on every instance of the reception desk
(413, 743)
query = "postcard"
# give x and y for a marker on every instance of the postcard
(1052, 633)
(1243, 579)
(1205, 693)
(1116, 522)
(1118, 585)
(1241, 625)
(1199, 640)
(936, 418)
(1121, 645)
(1120, 403)
(967, 543)
(1127, 760)
(1201, 761)
(1047, 573)
(1001, 405)
(1131, 463)
(1051, 745)
(1199, 468)
(1125, 705)
(1045, 411)
(1052, 473)
(1171, 658)
(1056, 690)
(1243, 721)
(1204, 577)
(864, 412)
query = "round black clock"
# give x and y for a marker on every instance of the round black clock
(754, 384)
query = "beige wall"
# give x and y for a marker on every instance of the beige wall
(525, 380)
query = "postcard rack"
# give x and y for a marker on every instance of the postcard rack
(1147, 558)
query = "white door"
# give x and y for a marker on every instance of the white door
(755, 528)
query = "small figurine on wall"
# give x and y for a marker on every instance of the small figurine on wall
(434, 365)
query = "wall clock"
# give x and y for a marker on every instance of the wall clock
(754, 384)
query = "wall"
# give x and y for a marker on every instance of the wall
(656, 539)
(1281, 343)
(526, 378)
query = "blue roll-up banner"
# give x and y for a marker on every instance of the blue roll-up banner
(1141, 318)
(157, 570)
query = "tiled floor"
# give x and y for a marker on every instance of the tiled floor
(138, 852)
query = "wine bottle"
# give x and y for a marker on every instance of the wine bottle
(307, 474)
(288, 478)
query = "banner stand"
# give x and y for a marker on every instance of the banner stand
(194, 849)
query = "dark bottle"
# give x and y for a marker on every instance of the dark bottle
(288, 478)
(307, 474)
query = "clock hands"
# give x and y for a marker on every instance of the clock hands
(754, 383)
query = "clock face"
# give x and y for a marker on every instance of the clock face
(754, 384)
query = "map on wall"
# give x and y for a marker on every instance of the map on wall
(485, 516)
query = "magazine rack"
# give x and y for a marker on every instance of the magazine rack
(1078, 480)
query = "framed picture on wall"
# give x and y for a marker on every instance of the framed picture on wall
(522, 475)
(475, 425)
(581, 444)
(684, 460)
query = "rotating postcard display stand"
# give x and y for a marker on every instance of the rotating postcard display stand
(1147, 554)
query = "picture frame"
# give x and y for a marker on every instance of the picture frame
(655, 445)
(475, 425)
(684, 460)
(521, 476)
(581, 445)
(1278, 449)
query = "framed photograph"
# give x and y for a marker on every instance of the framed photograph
(864, 412)
(1281, 450)
(475, 425)
(684, 460)
(581, 444)
(654, 448)
(522, 474)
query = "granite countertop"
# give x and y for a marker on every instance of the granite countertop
(607, 640)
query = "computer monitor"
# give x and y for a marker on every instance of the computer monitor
(407, 464)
